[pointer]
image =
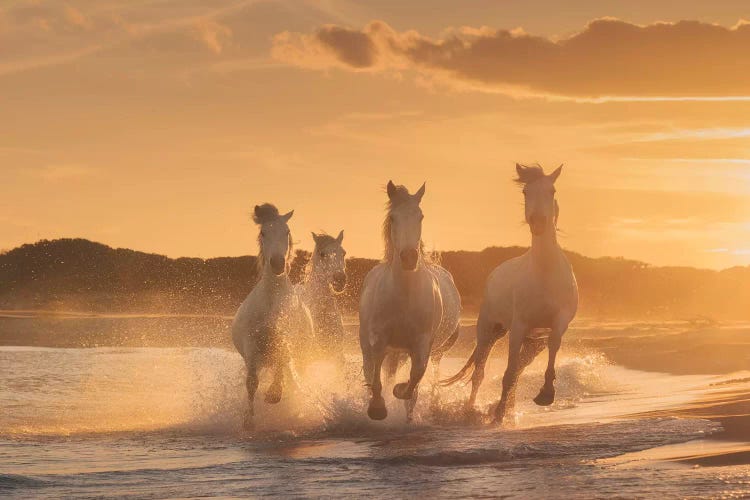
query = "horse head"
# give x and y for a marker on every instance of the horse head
(274, 239)
(328, 262)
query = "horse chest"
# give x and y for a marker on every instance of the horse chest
(538, 304)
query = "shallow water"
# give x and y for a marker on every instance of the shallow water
(165, 422)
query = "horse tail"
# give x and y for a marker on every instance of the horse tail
(464, 373)
(445, 346)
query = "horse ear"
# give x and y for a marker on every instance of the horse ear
(391, 188)
(340, 237)
(519, 169)
(418, 195)
(315, 236)
(287, 216)
(554, 175)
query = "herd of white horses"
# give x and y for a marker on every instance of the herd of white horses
(409, 305)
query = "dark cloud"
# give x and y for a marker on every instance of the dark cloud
(353, 48)
(608, 58)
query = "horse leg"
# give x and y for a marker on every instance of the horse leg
(376, 409)
(273, 394)
(419, 359)
(546, 394)
(517, 334)
(529, 351)
(409, 404)
(487, 335)
(251, 383)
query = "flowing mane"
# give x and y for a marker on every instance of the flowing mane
(263, 214)
(528, 174)
(402, 194)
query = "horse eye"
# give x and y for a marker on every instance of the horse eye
(322, 254)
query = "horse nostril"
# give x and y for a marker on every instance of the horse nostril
(278, 264)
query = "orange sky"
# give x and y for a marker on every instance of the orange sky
(157, 125)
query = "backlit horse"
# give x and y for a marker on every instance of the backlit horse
(533, 292)
(272, 318)
(408, 304)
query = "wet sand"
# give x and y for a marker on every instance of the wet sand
(722, 403)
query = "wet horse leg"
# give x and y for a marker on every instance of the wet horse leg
(409, 391)
(251, 383)
(517, 334)
(273, 394)
(419, 359)
(376, 409)
(529, 351)
(487, 334)
(546, 394)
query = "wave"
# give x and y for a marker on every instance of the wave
(16, 481)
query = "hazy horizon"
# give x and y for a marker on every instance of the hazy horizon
(298, 246)
(158, 125)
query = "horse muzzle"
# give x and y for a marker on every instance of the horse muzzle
(338, 283)
(278, 265)
(409, 259)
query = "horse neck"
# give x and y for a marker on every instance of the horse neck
(318, 290)
(401, 277)
(274, 284)
(544, 247)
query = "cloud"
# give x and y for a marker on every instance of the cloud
(213, 34)
(609, 58)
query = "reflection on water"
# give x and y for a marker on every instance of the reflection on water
(164, 422)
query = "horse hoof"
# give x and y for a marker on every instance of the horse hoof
(545, 398)
(377, 410)
(273, 397)
(399, 391)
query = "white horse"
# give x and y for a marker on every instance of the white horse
(272, 318)
(407, 304)
(325, 278)
(536, 291)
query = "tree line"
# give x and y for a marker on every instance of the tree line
(81, 275)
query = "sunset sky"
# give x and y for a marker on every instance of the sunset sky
(157, 125)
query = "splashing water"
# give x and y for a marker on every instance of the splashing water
(160, 422)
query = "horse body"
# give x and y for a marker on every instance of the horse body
(271, 322)
(533, 292)
(325, 279)
(402, 305)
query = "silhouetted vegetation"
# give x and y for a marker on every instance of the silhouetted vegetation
(80, 275)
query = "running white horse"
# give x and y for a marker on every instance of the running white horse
(407, 304)
(325, 279)
(272, 318)
(536, 291)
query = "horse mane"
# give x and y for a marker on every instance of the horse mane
(402, 194)
(264, 213)
(528, 174)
